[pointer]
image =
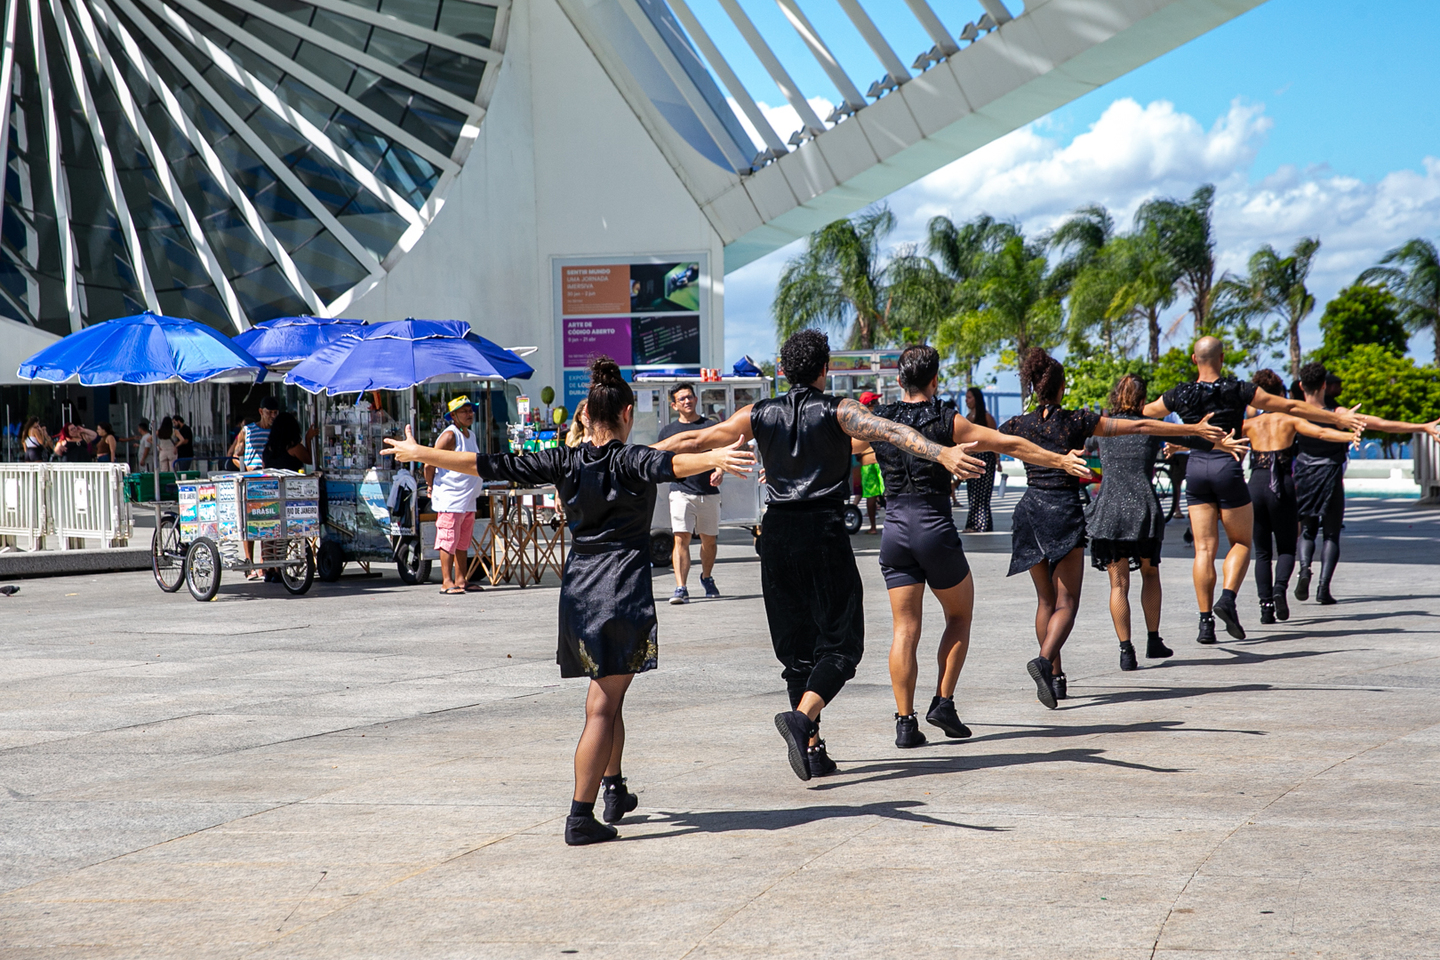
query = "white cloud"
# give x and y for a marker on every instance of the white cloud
(784, 120)
(1131, 154)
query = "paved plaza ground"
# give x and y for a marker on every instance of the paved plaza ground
(379, 771)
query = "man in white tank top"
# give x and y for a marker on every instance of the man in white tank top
(452, 497)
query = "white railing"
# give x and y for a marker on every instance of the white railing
(22, 504)
(71, 501)
(87, 501)
(1427, 466)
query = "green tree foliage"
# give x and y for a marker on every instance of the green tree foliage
(843, 282)
(1009, 304)
(1273, 286)
(1361, 314)
(1185, 233)
(1389, 386)
(1412, 272)
(1089, 380)
(1174, 366)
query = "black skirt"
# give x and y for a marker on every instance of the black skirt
(1105, 552)
(1047, 525)
(1316, 480)
(607, 611)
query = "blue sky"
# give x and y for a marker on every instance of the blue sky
(1313, 117)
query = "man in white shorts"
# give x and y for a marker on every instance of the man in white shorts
(694, 503)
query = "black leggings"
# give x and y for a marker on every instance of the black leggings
(1274, 517)
(813, 596)
(1328, 526)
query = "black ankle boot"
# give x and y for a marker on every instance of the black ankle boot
(1267, 611)
(1282, 605)
(907, 731)
(1155, 648)
(1127, 656)
(1207, 629)
(942, 714)
(820, 763)
(1302, 584)
(618, 800)
(1323, 595)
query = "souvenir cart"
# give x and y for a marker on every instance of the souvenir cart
(369, 509)
(740, 497)
(276, 511)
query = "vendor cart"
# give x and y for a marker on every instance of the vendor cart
(741, 503)
(276, 511)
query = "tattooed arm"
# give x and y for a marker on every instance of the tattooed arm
(861, 424)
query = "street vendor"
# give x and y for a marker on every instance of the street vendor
(452, 497)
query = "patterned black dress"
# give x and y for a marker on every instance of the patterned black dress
(1125, 520)
(1049, 521)
(607, 609)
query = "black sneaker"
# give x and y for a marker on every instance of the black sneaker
(907, 732)
(1302, 584)
(1323, 594)
(1267, 612)
(796, 729)
(1155, 648)
(580, 831)
(618, 801)
(1039, 670)
(1057, 683)
(1127, 656)
(942, 714)
(1207, 630)
(1225, 610)
(1282, 605)
(819, 761)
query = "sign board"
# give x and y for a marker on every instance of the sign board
(648, 314)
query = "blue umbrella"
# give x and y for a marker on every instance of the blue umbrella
(145, 348)
(290, 339)
(399, 355)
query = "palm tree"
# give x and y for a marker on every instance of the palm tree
(959, 248)
(1080, 240)
(1273, 285)
(1185, 232)
(837, 282)
(1148, 289)
(1010, 302)
(1415, 281)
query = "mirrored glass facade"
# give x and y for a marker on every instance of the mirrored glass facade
(227, 161)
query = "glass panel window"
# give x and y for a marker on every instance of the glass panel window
(376, 228)
(422, 13)
(238, 250)
(712, 403)
(348, 31)
(266, 294)
(473, 22)
(332, 69)
(455, 72)
(328, 266)
(436, 125)
(400, 51)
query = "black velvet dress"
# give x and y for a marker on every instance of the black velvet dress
(607, 608)
(1049, 521)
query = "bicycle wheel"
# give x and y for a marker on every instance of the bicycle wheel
(298, 573)
(202, 569)
(167, 556)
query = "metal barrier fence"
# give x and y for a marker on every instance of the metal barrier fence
(71, 501)
(22, 504)
(1427, 467)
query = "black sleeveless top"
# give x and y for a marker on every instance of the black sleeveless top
(1323, 449)
(805, 454)
(905, 473)
(1227, 398)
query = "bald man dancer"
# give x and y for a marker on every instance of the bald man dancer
(1215, 488)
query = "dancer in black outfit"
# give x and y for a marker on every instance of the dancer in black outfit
(1272, 490)
(1320, 485)
(1047, 531)
(1126, 521)
(920, 545)
(607, 609)
(979, 490)
(1215, 487)
(812, 587)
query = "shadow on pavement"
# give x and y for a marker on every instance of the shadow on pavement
(878, 771)
(729, 821)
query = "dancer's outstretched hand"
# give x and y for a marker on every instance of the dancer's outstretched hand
(1208, 430)
(402, 450)
(1234, 444)
(1350, 420)
(958, 461)
(1076, 466)
(1433, 428)
(736, 459)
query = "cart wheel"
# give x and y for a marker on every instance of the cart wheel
(202, 569)
(330, 561)
(167, 556)
(852, 519)
(299, 570)
(661, 545)
(410, 562)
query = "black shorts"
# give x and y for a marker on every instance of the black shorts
(920, 543)
(1217, 479)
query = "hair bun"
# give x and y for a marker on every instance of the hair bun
(605, 372)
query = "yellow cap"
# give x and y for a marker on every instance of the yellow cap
(458, 402)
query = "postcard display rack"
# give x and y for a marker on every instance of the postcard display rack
(266, 507)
